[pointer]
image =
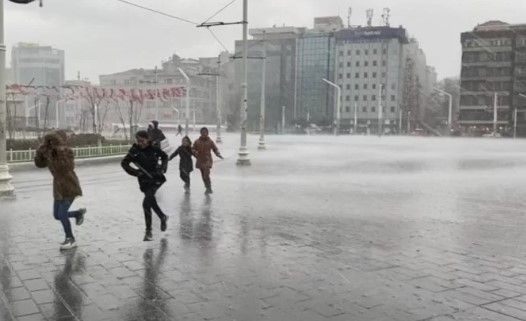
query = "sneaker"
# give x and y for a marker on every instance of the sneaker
(208, 191)
(80, 218)
(148, 236)
(163, 223)
(187, 188)
(68, 244)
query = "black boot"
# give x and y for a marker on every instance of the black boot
(148, 236)
(163, 223)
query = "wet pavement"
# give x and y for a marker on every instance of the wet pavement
(319, 228)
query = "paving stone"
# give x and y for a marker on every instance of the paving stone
(24, 307)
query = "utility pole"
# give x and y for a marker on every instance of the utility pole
(262, 106)
(282, 120)
(6, 189)
(243, 159)
(380, 111)
(515, 118)
(355, 130)
(495, 114)
(218, 101)
(450, 108)
(400, 122)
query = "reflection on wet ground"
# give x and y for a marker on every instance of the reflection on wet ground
(319, 228)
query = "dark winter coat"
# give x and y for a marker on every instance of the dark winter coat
(59, 159)
(185, 153)
(151, 163)
(202, 149)
(156, 136)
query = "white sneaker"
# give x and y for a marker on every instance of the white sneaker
(68, 244)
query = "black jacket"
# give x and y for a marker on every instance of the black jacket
(185, 164)
(156, 136)
(149, 171)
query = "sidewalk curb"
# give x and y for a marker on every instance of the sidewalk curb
(18, 167)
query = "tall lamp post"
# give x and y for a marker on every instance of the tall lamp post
(450, 108)
(187, 110)
(262, 106)
(243, 159)
(217, 76)
(515, 114)
(338, 102)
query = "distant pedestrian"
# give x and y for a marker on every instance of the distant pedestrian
(151, 164)
(55, 154)
(202, 149)
(186, 165)
(156, 134)
(179, 130)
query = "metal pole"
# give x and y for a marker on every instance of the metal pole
(56, 114)
(495, 114)
(6, 189)
(156, 97)
(355, 130)
(282, 120)
(450, 114)
(380, 116)
(400, 122)
(262, 106)
(218, 101)
(187, 109)
(243, 153)
(515, 123)
(408, 122)
(338, 102)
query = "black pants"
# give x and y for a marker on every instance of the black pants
(185, 176)
(150, 203)
(205, 174)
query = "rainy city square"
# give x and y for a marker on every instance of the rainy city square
(240, 160)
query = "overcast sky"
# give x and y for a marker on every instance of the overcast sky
(106, 36)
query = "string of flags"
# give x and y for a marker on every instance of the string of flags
(100, 93)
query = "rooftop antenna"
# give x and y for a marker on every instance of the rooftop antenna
(349, 13)
(385, 16)
(369, 13)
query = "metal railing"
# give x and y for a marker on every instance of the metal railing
(20, 156)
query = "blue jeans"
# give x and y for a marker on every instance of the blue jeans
(61, 213)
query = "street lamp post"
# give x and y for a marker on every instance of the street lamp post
(380, 111)
(283, 120)
(6, 189)
(262, 106)
(218, 101)
(338, 102)
(243, 159)
(156, 98)
(450, 108)
(515, 118)
(187, 110)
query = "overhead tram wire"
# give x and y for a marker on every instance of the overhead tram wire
(158, 12)
(219, 11)
(217, 39)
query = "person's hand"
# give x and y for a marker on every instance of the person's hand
(220, 156)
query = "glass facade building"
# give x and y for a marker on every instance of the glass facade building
(315, 61)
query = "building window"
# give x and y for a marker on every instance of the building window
(393, 86)
(364, 109)
(340, 64)
(383, 110)
(341, 53)
(357, 64)
(375, 63)
(348, 109)
(348, 52)
(364, 86)
(384, 63)
(356, 98)
(374, 74)
(366, 52)
(357, 75)
(348, 75)
(340, 76)
(356, 86)
(348, 86)
(358, 52)
(365, 75)
(375, 51)
(383, 74)
(373, 97)
(374, 86)
(366, 63)
(348, 64)
(393, 109)
(393, 98)
(373, 109)
(364, 97)
(384, 51)
(347, 98)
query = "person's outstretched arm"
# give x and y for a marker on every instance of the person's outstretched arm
(127, 168)
(174, 154)
(216, 151)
